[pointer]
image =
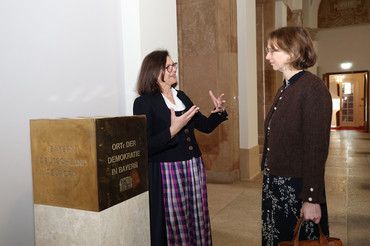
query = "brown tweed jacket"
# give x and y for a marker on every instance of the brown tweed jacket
(299, 130)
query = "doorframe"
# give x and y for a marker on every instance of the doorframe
(366, 92)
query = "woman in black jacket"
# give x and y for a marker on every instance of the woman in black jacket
(177, 185)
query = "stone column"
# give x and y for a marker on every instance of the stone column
(266, 76)
(208, 61)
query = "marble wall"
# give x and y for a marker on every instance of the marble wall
(207, 39)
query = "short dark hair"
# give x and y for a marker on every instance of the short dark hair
(294, 40)
(153, 65)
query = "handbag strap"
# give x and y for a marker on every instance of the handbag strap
(322, 239)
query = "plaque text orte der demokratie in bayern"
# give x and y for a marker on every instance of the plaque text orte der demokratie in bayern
(88, 163)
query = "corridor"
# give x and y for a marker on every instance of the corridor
(235, 209)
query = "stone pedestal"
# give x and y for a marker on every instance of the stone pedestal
(90, 181)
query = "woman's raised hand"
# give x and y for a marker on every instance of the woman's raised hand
(218, 102)
(177, 123)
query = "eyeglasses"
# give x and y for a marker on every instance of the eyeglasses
(170, 67)
(272, 51)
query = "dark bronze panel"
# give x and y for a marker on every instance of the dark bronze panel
(122, 159)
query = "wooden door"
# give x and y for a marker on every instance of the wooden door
(352, 104)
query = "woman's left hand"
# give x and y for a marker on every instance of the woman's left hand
(218, 102)
(311, 211)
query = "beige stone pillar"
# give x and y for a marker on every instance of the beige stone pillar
(247, 77)
(208, 61)
(266, 76)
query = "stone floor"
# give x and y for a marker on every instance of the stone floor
(235, 209)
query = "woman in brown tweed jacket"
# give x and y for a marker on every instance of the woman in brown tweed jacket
(297, 130)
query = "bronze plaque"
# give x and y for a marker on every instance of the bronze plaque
(122, 159)
(88, 163)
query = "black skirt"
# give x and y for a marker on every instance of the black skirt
(158, 235)
(281, 211)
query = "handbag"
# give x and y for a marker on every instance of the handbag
(322, 241)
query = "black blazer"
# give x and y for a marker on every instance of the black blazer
(183, 145)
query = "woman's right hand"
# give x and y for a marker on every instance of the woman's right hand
(177, 123)
(311, 211)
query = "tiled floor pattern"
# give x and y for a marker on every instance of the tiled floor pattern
(235, 209)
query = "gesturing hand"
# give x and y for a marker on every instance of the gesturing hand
(177, 123)
(218, 102)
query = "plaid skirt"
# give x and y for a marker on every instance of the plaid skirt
(281, 211)
(185, 202)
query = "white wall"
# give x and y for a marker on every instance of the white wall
(280, 14)
(310, 10)
(149, 25)
(343, 44)
(247, 73)
(159, 26)
(66, 59)
(295, 4)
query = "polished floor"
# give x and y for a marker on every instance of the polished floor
(235, 209)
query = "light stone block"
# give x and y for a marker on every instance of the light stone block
(126, 223)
